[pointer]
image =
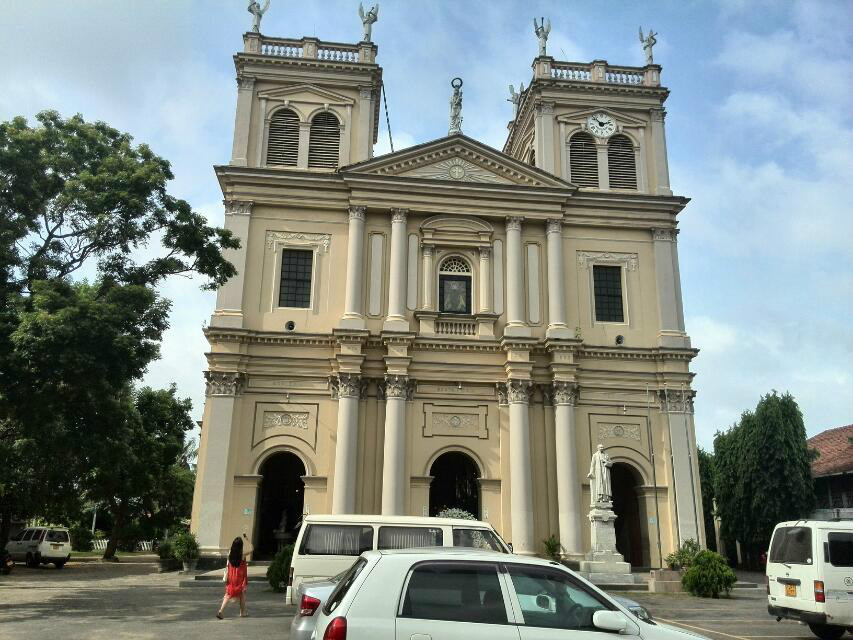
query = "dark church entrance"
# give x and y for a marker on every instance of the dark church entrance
(629, 540)
(454, 484)
(279, 503)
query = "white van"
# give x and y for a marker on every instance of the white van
(40, 545)
(810, 575)
(329, 544)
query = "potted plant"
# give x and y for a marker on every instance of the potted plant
(185, 549)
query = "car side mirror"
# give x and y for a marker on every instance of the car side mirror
(609, 621)
(509, 544)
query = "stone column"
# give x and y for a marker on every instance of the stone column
(229, 296)
(557, 327)
(659, 148)
(485, 280)
(353, 317)
(214, 469)
(242, 121)
(364, 149)
(544, 125)
(429, 278)
(346, 448)
(677, 409)
(568, 477)
(396, 319)
(521, 475)
(516, 324)
(394, 455)
(668, 281)
(304, 143)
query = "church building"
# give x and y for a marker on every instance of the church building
(449, 325)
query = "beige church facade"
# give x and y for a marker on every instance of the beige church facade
(449, 325)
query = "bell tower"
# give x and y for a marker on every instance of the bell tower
(305, 103)
(597, 125)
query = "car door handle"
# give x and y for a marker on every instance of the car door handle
(420, 636)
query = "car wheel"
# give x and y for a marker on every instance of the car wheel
(59, 564)
(31, 562)
(827, 631)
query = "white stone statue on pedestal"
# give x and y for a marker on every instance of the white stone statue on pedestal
(257, 13)
(367, 20)
(542, 30)
(648, 42)
(455, 107)
(601, 493)
(515, 98)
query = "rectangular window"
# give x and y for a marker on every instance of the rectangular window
(295, 288)
(409, 537)
(337, 540)
(792, 545)
(455, 592)
(477, 539)
(607, 287)
(841, 549)
(454, 294)
(57, 536)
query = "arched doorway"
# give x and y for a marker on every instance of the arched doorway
(629, 539)
(280, 502)
(454, 484)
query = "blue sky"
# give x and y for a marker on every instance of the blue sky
(759, 128)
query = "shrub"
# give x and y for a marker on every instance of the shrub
(277, 572)
(165, 550)
(709, 575)
(453, 512)
(185, 546)
(683, 557)
(81, 538)
(552, 547)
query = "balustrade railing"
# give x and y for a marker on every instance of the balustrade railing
(597, 71)
(623, 75)
(309, 48)
(563, 71)
(456, 327)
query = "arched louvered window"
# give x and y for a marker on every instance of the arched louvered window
(583, 159)
(622, 168)
(324, 141)
(283, 139)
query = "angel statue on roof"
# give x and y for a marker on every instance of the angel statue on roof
(367, 19)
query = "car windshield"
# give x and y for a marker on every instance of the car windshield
(791, 545)
(477, 539)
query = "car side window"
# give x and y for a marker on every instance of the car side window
(840, 549)
(409, 537)
(553, 599)
(454, 592)
(337, 540)
(38, 535)
(18, 536)
(28, 534)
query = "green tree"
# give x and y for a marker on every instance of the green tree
(79, 197)
(706, 478)
(762, 472)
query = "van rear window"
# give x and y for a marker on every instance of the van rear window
(56, 536)
(409, 537)
(336, 540)
(841, 549)
(792, 545)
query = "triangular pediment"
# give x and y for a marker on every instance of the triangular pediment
(306, 93)
(618, 116)
(457, 158)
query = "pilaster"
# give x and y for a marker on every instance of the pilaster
(229, 296)
(242, 120)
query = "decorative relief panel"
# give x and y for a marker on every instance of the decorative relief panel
(618, 431)
(457, 169)
(587, 258)
(450, 420)
(615, 431)
(284, 420)
(299, 239)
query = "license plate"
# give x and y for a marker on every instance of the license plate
(791, 590)
(55, 546)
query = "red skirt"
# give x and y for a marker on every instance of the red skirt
(235, 584)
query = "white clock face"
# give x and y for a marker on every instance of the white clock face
(601, 124)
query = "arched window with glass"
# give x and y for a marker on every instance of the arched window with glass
(454, 286)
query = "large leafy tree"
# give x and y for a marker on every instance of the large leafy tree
(79, 198)
(706, 478)
(762, 471)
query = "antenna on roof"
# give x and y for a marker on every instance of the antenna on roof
(387, 118)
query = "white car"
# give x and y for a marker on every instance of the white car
(464, 594)
(41, 545)
(810, 575)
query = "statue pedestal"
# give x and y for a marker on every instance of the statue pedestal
(603, 564)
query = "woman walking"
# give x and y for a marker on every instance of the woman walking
(236, 577)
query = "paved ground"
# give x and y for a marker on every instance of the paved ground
(128, 601)
(131, 600)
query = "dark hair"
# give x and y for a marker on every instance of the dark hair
(235, 556)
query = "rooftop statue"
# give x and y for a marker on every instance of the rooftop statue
(367, 19)
(515, 98)
(257, 13)
(599, 475)
(542, 31)
(455, 107)
(648, 42)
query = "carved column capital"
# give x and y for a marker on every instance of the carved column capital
(485, 253)
(245, 82)
(357, 213)
(519, 391)
(565, 392)
(223, 383)
(238, 207)
(347, 385)
(500, 388)
(676, 401)
(554, 225)
(658, 114)
(428, 250)
(545, 107)
(399, 387)
(399, 215)
(365, 92)
(664, 235)
(513, 223)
